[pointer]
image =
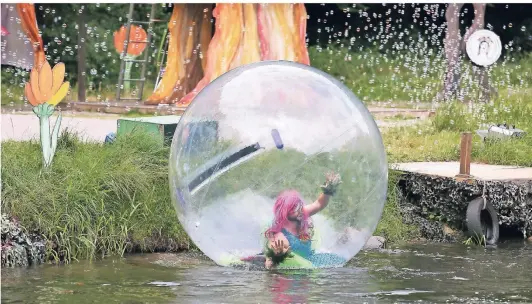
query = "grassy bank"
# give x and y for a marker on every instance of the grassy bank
(109, 199)
(438, 139)
(391, 225)
(96, 200)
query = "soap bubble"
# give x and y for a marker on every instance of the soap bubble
(260, 130)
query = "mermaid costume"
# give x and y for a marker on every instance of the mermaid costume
(303, 256)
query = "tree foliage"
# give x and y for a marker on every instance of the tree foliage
(365, 24)
(59, 26)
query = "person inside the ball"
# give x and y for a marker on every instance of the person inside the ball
(289, 239)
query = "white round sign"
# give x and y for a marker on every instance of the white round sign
(483, 47)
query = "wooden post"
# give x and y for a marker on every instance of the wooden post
(465, 154)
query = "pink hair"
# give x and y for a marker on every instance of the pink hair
(286, 202)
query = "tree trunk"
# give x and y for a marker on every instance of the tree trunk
(452, 45)
(82, 37)
(480, 74)
(190, 32)
(478, 22)
(455, 46)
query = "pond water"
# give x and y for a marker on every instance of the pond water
(429, 273)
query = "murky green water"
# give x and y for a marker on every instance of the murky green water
(421, 273)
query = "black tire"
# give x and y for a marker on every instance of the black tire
(483, 220)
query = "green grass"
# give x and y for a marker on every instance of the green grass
(438, 139)
(101, 199)
(305, 173)
(476, 240)
(411, 78)
(391, 225)
(374, 77)
(354, 205)
(96, 200)
(399, 117)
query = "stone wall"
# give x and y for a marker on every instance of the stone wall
(438, 205)
(18, 247)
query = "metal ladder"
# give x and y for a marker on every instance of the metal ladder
(143, 61)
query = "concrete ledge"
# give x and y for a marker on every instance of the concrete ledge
(430, 197)
(478, 171)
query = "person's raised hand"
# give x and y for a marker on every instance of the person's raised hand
(332, 181)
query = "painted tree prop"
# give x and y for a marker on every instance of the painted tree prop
(136, 45)
(44, 91)
(272, 32)
(189, 36)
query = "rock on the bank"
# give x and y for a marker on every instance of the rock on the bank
(375, 242)
(19, 248)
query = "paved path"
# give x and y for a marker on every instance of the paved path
(26, 127)
(479, 171)
(91, 126)
(123, 107)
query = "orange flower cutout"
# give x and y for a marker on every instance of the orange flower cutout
(46, 85)
(135, 46)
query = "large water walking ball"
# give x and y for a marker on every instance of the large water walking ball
(256, 145)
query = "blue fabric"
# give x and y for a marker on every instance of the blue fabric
(111, 137)
(304, 249)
